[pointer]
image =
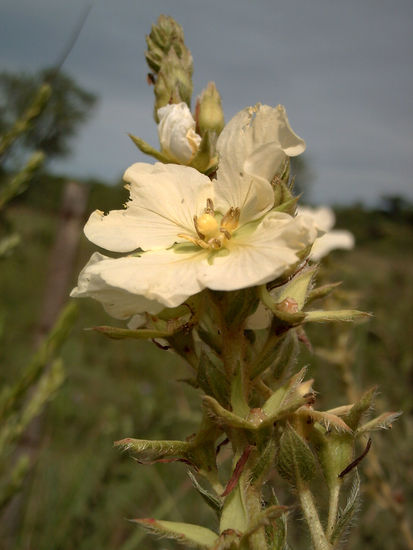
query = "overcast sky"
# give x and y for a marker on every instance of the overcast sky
(343, 69)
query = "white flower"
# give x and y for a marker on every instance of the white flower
(324, 219)
(176, 131)
(196, 233)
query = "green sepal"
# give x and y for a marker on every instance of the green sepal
(347, 315)
(297, 289)
(149, 150)
(193, 536)
(335, 452)
(296, 461)
(285, 317)
(289, 206)
(282, 195)
(205, 158)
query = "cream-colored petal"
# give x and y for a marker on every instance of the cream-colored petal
(330, 241)
(164, 199)
(256, 142)
(118, 301)
(253, 196)
(158, 279)
(260, 256)
(323, 216)
(171, 276)
(176, 131)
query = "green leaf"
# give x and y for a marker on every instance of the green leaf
(193, 536)
(148, 150)
(296, 461)
(147, 451)
(321, 292)
(347, 315)
(285, 394)
(279, 353)
(213, 501)
(267, 517)
(211, 377)
(382, 422)
(117, 333)
(352, 419)
(346, 515)
(221, 416)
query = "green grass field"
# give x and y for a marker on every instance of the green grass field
(81, 489)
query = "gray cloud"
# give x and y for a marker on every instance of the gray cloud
(343, 70)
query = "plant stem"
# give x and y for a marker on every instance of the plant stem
(333, 509)
(318, 536)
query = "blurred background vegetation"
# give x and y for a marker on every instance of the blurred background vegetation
(78, 489)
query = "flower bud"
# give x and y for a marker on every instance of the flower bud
(171, 62)
(209, 113)
(176, 131)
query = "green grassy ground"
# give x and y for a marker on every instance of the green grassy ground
(82, 489)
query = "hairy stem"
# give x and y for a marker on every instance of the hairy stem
(333, 509)
(318, 536)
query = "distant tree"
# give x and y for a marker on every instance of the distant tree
(68, 107)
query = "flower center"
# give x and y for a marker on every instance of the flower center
(212, 233)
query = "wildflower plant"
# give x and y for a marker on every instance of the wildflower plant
(214, 260)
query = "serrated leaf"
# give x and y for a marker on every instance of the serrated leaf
(346, 315)
(382, 422)
(346, 515)
(193, 536)
(296, 461)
